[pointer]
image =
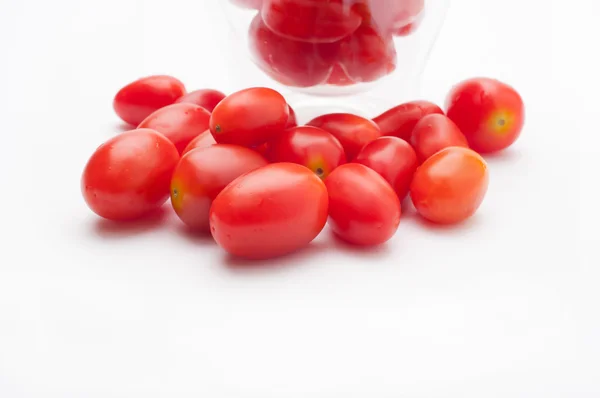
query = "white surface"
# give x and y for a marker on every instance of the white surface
(503, 306)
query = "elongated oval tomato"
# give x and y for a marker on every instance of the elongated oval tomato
(128, 176)
(433, 133)
(206, 98)
(309, 146)
(363, 208)
(490, 113)
(314, 21)
(450, 186)
(269, 212)
(402, 119)
(353, 131)
(134, 102)
(394, 159)
(292, 121)
(180, 123)
(249, 117)
(202, 174)
(204, 140)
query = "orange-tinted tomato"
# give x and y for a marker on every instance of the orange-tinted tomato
(202, 174)
(249, 117)
(180, 123)
(450, 186)
(269, 212)
(134, 102)
(204, 140)
(402, 119)
(363, 208)
(309, 146)
(433, 133)
(205, 98)
(394, 159)
(490, 113)
(128, 176)
(353, 131)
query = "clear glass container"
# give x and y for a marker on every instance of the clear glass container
(359, 56)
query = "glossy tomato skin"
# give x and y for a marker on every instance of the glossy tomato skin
(363, 208)
(292, 121)
(402, 119)
(433, 133)
(180, 123)
(490, 113)
(204, 140)
(128, 176)
(367, 54)
(450, 186)
(352, 131)
(314, 21)
(206, 98)
(308, 146)
(202, 174)
(393, 159)
(292, 63)
(269, 212)
(134, 102)
(249, 117)
(389, 15)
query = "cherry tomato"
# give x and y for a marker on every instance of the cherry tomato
(292, 121)
(269, 212)
(262, 149)
(402, 119)
(249, 117)
(490, 113)
(353, 131)
(339, 77)
(206, 98)
(204, 140)
(363, 208)
(251, 4)
(309, 146)
(433, 133)
(134, 102)
(367, 55)
(202, 174)
(314, 21)
(128, 176)
(292, 63)
(394, 159)
(180, 123)
(390, 15)
(450, 186)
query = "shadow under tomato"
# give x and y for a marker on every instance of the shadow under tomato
(366, 252)
(463, 226)
(509, 155)
(122, 127)
(122, 229)
(200, 238)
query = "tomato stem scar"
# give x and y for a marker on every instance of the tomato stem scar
(218, 128)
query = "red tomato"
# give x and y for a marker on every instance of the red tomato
(180, 123)
(269, 212)
(353, 131)
(339, 77)
(249, 117)
(251, 4)
(402, 119)
(433, 133)
(450, 186)
(204, 140)
(314, 21)
(292, 121)
(394, 159)
(202, 174)
(367, 55)
(128, 176)
(134, 102)
(262, 149)
(206, 98)
(292, 63)
(309, 146)
(363, 208)
(490, 113)
(390, 15)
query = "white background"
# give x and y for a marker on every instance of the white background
(505, 305)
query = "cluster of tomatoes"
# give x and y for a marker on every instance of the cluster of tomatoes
(305, 43)
(239, 166)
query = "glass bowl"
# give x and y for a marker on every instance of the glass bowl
(358, 56)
